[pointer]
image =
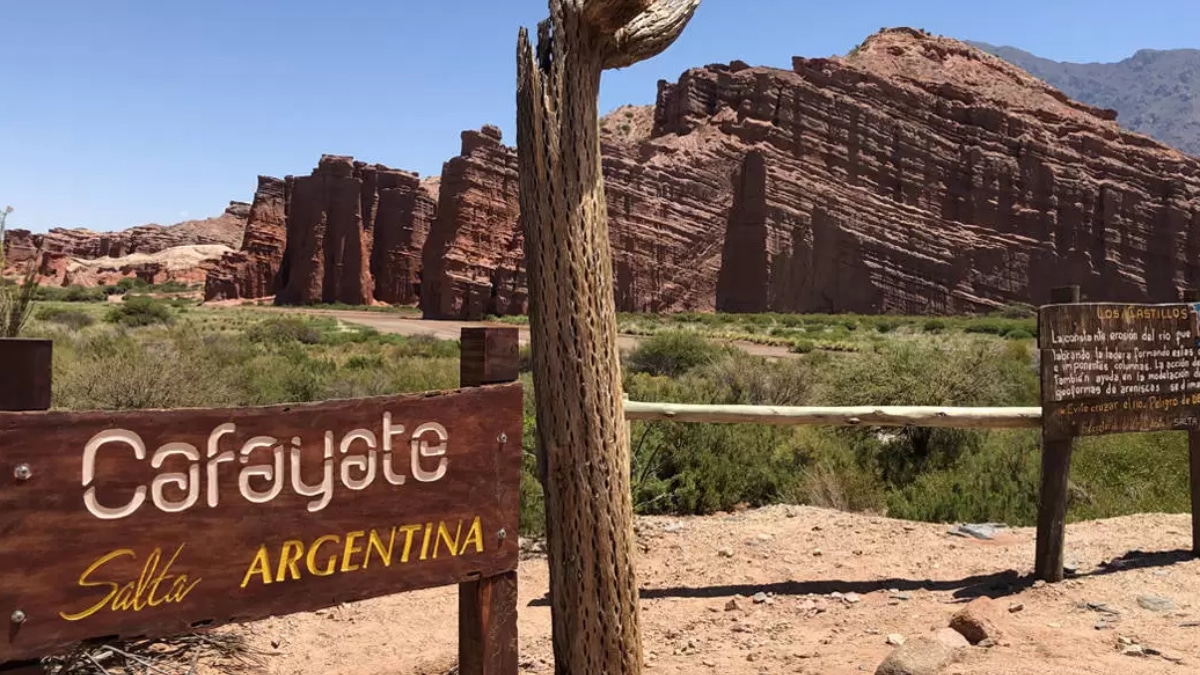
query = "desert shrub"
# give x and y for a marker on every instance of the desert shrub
(802, 347)
(115, 371)
(533, 499)
(136, 312)
(365, 362)
(917, 373)
(279, 330)
(934, 325)
(997, 482)
(702, 468)
(72, 293)
(71, 318)
(835, 477)
(673, 353)
(1129, 473)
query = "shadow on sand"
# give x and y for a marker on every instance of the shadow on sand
(998, 585)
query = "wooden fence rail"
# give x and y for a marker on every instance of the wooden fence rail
(882, 416)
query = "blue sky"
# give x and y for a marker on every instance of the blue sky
(121, 112)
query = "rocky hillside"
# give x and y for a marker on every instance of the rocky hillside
(917, 175)
(1155, 92)
(155, 253)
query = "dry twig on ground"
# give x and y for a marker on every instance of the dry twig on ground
(179, 655)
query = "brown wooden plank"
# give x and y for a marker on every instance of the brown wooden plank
(487, 627)
(241, 559)
(1056, 456)
(1052, 509)
(1194, 485)
(1116, 325)
(487, 608)
(25, 384)
(1114, 368)
(490, 355)
(25, 368)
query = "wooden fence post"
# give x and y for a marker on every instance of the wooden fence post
(1052, 497)
(25, 367)
(25, 385)
(1192, 296)
(487, 608)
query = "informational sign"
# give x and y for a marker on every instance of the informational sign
(158, 522)
(1114, 368)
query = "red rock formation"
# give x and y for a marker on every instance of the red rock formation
(473, 263)
(921, 175)
(150, 252)
(224, 230)
(252, 272)
(327, 241)
(666, 221)
(354, 233)
(403, 216)
(918, 175)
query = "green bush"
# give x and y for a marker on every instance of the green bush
(279, 330)
(71, 318)
(72, 293)
(136, 312)
(673, 353)
(802, 347)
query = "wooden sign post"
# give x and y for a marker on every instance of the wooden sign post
(154, 523)
(25, 367)
(1111, 368)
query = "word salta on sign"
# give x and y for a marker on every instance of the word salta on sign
(1114, 368)
(156, 522)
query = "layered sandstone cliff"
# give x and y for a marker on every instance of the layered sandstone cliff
(472, 263)
(917, 175)
(252, 272)
(154, 253)
(666, 225)
(223, 230)
(354, 233)
(922, 175)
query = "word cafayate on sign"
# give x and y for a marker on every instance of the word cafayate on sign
(149, 523)
(1111, 368)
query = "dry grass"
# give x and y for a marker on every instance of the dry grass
(226, 651)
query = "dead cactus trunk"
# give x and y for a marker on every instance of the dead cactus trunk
(582, 435)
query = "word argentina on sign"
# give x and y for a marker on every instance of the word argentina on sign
(151, 523)
(1112, 368)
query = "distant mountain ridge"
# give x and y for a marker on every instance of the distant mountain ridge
(1155, 92)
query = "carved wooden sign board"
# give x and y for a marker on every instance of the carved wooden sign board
(1115, 368)
(153, 523)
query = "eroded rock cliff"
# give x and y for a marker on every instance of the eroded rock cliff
(473, 262)
(666, 221)
(253, 271)
(922, 175)
(917, 175)
(154, 253)
(354, 233)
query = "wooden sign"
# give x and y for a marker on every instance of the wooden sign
(1114, 368)
(157, 522)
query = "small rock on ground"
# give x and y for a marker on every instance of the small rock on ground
(924, 655)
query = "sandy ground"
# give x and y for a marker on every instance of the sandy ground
(834, 586)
